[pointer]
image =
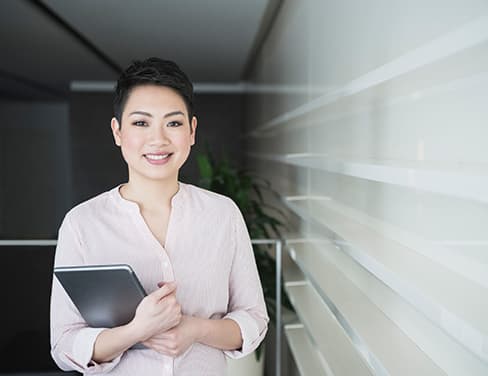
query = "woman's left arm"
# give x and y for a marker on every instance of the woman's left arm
(243, 328)
(246, 306)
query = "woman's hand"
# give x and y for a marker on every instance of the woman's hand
(177, 340)
(157, 312)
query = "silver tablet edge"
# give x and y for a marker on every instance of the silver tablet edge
(60, 269)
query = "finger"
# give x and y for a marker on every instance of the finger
(165, 290)
(151, 344)
(156, 340)
(157, 337)
(162, 283)
(166, 350)
(164, 338)
(154, 344)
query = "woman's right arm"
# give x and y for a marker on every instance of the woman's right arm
(74, 345)
(72, 340)
(158, 312)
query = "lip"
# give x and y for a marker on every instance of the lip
(157, 161)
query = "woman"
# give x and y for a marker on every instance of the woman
(188, 246)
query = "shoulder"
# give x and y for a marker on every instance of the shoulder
(90, 208)
(204, 199)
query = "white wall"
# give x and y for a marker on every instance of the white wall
(373, 128)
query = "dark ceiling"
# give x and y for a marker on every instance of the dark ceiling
(46, 45)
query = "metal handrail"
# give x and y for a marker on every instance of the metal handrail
(278, 250)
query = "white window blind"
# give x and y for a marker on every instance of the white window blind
(382, 164)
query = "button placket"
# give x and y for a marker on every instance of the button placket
(168, 365)
(166, 266)
(173, 219)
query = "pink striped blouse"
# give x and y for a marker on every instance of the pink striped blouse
(207, 252)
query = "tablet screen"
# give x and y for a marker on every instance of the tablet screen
(105, 295)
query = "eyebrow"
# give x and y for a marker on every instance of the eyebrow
(140, 113)
(174, 113)
(149, 115)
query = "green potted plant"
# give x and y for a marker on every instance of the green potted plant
(263, 220)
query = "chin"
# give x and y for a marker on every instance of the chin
(161, 178)
(154, 176)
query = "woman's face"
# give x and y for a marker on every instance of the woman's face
(155, 135)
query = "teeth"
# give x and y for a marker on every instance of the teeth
(157, 157)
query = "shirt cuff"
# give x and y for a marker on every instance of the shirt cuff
(81, 358)
(251, 335)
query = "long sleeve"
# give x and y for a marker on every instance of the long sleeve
(246, 301)
(109, 229)
(72, 340)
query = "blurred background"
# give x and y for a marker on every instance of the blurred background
(369, 119)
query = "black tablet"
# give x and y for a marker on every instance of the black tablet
(106, 295)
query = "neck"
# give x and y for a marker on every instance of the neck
(150, 194)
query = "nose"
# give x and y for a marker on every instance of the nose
(159, 137)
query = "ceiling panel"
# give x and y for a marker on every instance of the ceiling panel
(37, 49)
(210, 39)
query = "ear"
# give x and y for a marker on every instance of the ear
(193, 126)
(114, 124)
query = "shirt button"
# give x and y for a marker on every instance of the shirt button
(167, 367)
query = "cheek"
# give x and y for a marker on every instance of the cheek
(132, 142)
(183, 142)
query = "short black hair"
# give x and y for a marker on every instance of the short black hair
(152, 71)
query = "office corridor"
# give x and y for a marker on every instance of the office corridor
(368, 118)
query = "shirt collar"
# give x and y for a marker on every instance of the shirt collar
(132, 206)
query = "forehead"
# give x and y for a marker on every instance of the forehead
(154, 98)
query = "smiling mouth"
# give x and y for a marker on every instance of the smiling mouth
(157, 157)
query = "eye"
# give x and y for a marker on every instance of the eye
(140, 123)
(175, 124)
